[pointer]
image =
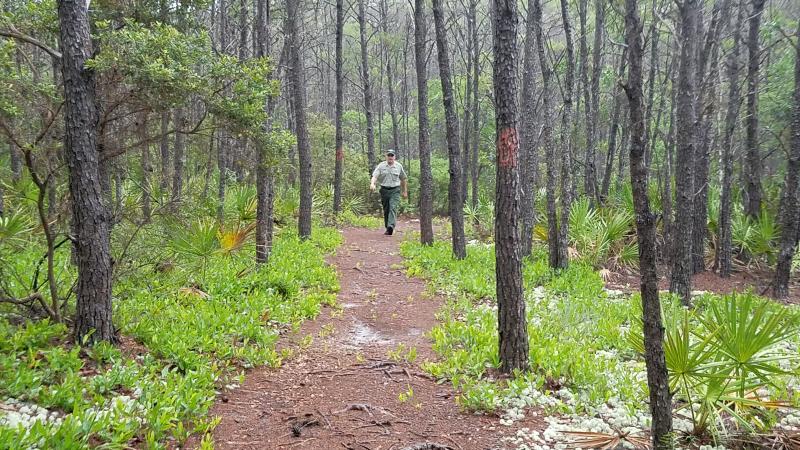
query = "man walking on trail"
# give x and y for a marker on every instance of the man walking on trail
(392, 178)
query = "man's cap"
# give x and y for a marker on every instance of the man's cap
(389, 152)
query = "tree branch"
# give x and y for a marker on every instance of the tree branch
(14, 34)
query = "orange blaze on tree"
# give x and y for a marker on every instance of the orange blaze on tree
(507, 147)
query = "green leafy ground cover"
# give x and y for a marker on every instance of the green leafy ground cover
(733, 360)
(202, 319)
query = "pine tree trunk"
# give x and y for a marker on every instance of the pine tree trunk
(753, 171)
(657, 377)
(535, 21)
(425, 174)
(512, 323)
(612, 132)
(681, 277)
(90, 216)
(593, 110)
(16, 163)
(146, 168)
(265, 179)
(362, 25)
(451, 122)
(179, 159)
(566, 139)
(299, 99)
(789, 216)
(339, 140)
(724, 258)
(528, 155)
(706, 105)
(476, 127)
(164, 147)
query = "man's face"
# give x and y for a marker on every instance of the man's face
(390, 159)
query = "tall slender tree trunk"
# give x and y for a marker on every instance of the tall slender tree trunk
(476, 127)
(451, 122)
(651, 83)
(753, 172)
(593, 109)
(16, 163)
(612, 131)
(425, 174)
(293, 32)
(362, 26)
(90, 216)
(789, 216)
(566, 139)
(706, 106)
(535, 21)
(265, 179)
(339, 144)
(512, 322)
(179, 158)
(681, 277)
(528, 155)
(466, 103)
(166, 162)
(146, 168)
(724, 258)
(657, 376)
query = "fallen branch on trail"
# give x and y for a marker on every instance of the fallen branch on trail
(428, 446)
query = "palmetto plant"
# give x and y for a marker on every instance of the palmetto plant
(14, 227)
(758, 238)
(719, 360)
(602, 237)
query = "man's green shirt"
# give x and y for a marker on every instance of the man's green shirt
(389, 176)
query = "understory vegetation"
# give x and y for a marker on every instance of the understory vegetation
(732, 359)
(192, 311)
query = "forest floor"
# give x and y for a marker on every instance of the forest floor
(354, 382)
(757, 280)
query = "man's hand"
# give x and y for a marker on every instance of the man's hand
(405, 194)
(372, 187)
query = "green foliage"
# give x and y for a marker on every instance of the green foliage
(603, 236)
(195, 338)
(728, 359)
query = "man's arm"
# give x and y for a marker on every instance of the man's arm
(372, 182)
(404, 185)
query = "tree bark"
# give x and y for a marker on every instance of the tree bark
(724, 258)
(512, 323)
(593, 109)
(566, 139)
(16, 163)
(681, 277)
(425, 174)
(451, 123)
(528, 155)
(265, 179)
(179, 159)
(789, 216)
(362, 26)
(164, 147)
(146, 168)
(613, 129)
(706, 105)
(476, 128)
(753, 173)
(339, 139)
(535, 21)
(657, 376)
(90, 216)
(299, 99)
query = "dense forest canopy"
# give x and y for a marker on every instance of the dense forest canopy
(168, 139)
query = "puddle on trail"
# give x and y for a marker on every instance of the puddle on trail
(362, 334)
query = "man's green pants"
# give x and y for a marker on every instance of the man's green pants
(390, 198)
